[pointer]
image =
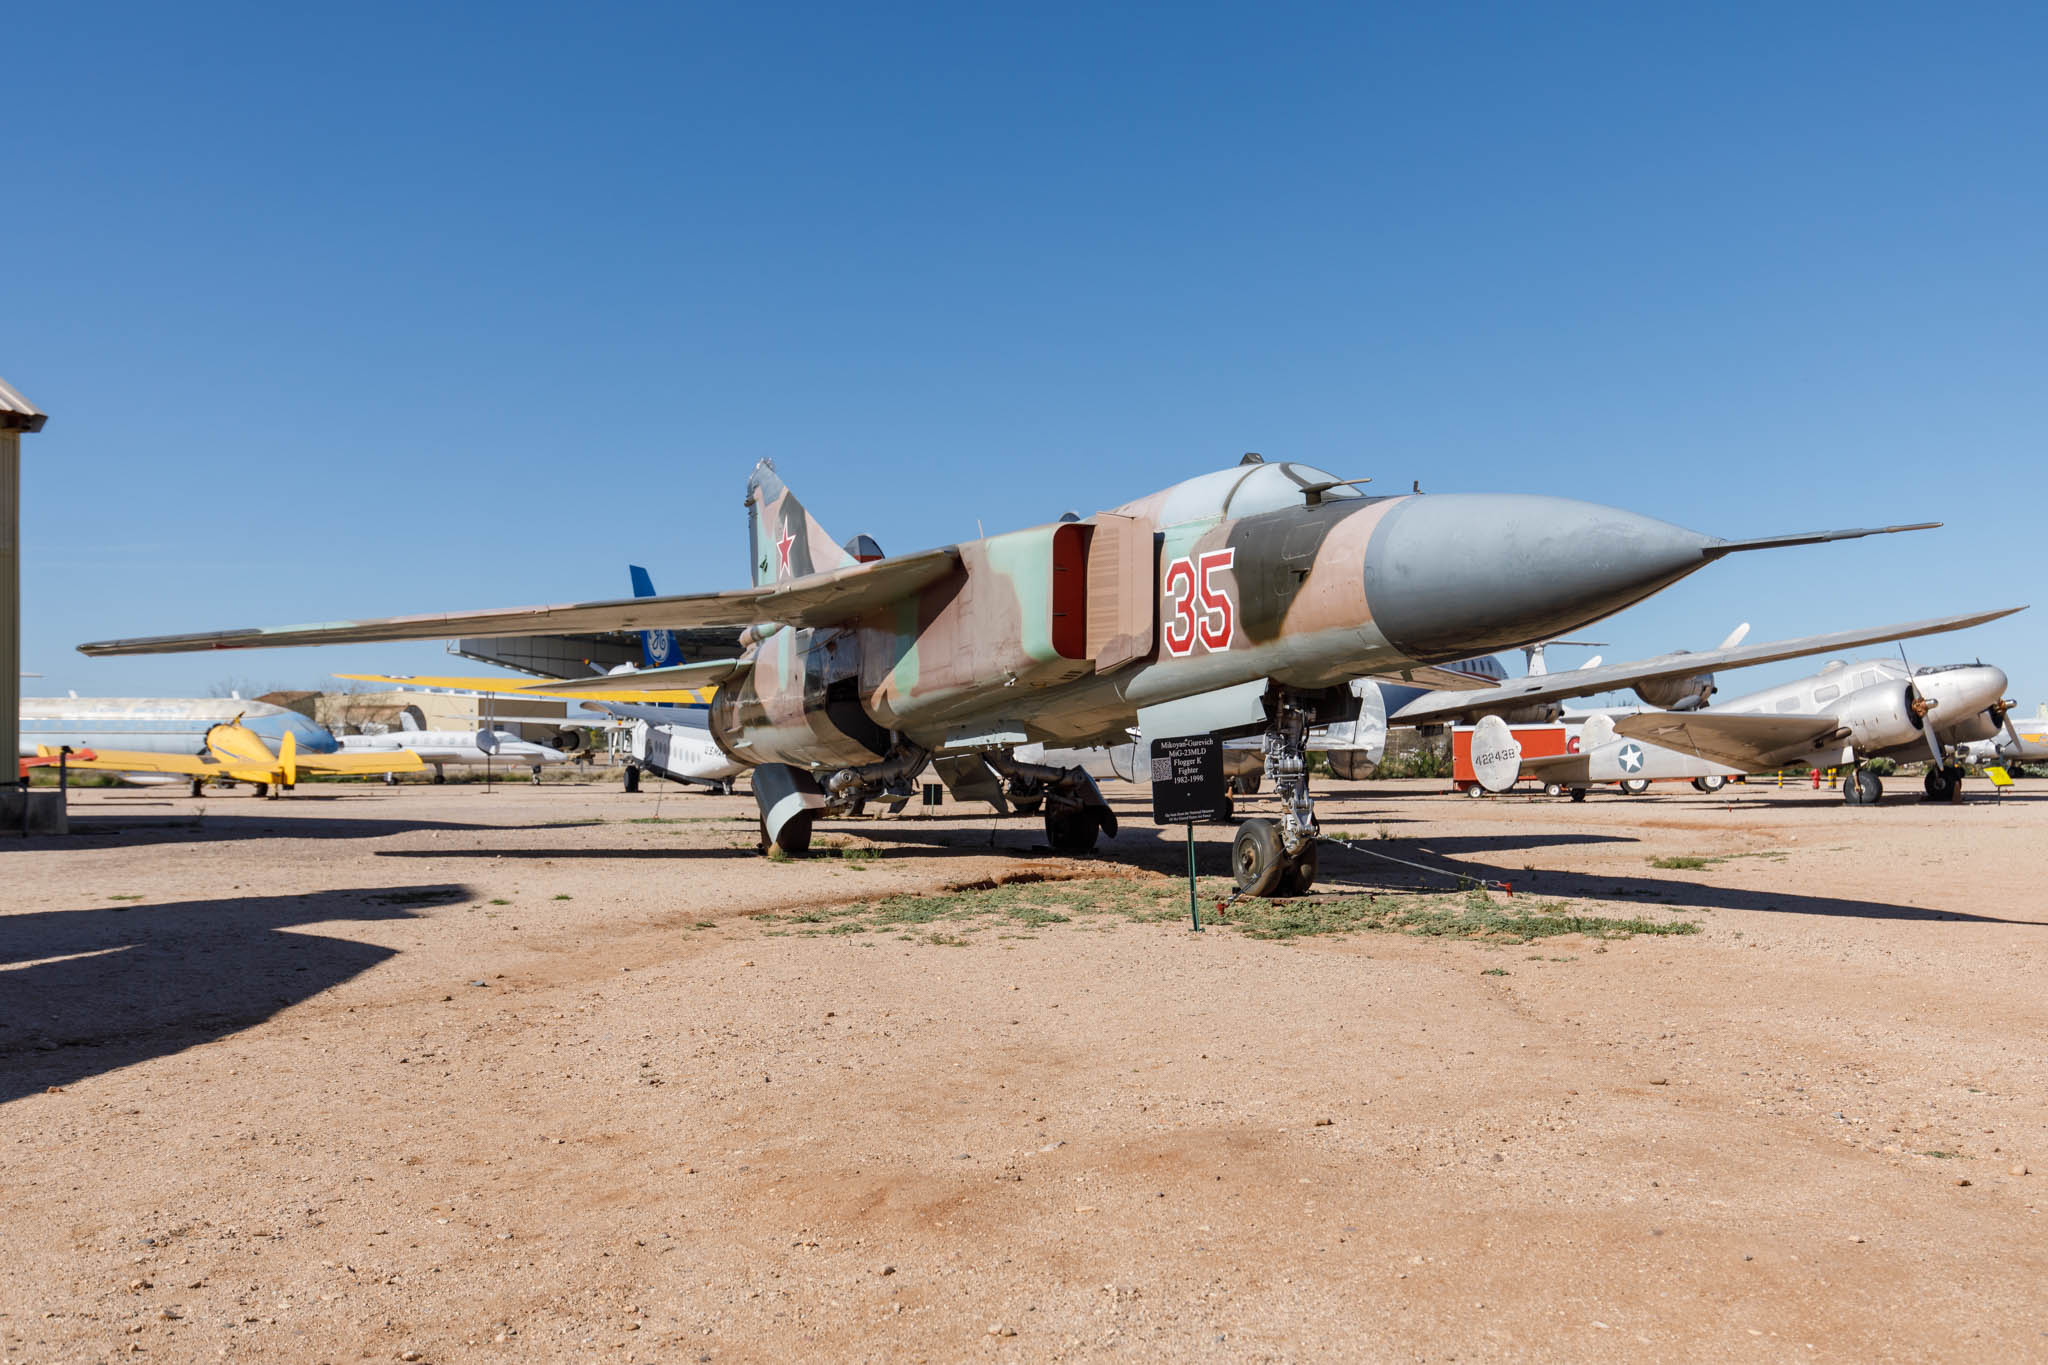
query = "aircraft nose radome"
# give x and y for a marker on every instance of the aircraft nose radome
(1449, 574)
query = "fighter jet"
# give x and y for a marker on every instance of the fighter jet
(235, 753)
(1240, 601)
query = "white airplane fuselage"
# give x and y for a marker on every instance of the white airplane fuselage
(458, 746)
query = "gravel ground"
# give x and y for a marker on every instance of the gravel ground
(444, 1074)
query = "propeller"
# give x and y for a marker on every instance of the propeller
(1921, 705)
(2003, 712)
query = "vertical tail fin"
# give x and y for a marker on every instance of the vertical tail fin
(657, 647)
(783, 540)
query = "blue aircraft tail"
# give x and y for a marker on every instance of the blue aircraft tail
(657, 647)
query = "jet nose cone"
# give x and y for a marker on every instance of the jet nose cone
(1461, 573)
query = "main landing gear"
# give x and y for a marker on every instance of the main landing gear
(1861, 788)
(1075, 813)
(1945, 783)
(1278, 857)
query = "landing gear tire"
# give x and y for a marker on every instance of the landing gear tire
(1227, 813)
(1862, 788)
(1071, 830)
(1710, 785)
(1578, 793)
(439, 777)
(632, 779)
(795, 839)
(1635, 786)
(1258, 863)
(1300, 878)
(262, 789)
(1944, 784)
(1553, 789)
(390, 780)
(1474, 790)
(198, 786)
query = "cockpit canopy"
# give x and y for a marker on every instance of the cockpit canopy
(1244, 491)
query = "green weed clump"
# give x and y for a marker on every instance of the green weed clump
(1472, 915)
(1469, 913)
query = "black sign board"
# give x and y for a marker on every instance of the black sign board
(1187, 780)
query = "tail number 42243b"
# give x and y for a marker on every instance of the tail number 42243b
(1198, 608)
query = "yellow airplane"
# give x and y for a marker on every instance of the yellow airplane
(236, 754)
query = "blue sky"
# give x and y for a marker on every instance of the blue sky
(398, 308)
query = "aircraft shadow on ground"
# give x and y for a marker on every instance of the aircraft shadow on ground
(218, 825)
(131, 983)
(1360, 871)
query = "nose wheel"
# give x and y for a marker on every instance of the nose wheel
(1261, 865)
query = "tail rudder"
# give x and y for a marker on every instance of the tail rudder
(782, 538)
(657, 647)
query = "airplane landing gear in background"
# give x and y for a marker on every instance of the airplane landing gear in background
(262, 789)
(440, 775)
(1862, 788)
(1578, 793)
(1710, 785)
(198, 786)
(1635, 786)
(632, 778)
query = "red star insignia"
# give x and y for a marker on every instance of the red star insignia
(782, 548)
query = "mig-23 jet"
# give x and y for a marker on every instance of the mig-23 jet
(1241, 601)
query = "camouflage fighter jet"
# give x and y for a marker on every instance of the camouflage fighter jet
(1240, 601)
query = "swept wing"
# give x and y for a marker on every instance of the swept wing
(1750, 743)
(813, 600)
(1446, 706)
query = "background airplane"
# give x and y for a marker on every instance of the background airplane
(1841, 716)
(234, 753)
(438, 748)
(169, 725)
(2025, 741)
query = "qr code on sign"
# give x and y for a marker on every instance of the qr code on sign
(1162, 770)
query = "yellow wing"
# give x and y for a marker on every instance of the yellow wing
(136, 761)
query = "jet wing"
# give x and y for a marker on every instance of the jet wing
(1445, 706)
(1429, 675)
(813, 600)
(1750, 743)
(138, 761)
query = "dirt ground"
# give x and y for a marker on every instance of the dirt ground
(546, 1074)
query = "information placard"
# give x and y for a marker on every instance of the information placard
(1187, 780)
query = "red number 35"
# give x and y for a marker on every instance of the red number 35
(1196, 607)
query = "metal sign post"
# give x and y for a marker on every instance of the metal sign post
(1188, 789)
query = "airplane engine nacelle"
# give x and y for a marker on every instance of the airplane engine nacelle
(1981, 726)
(1879, 717)
(1688, 693)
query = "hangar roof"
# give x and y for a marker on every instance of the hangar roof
(16, 412)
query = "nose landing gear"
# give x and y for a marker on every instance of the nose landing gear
(1278, 858)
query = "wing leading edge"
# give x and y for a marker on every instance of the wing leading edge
(813, 600)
